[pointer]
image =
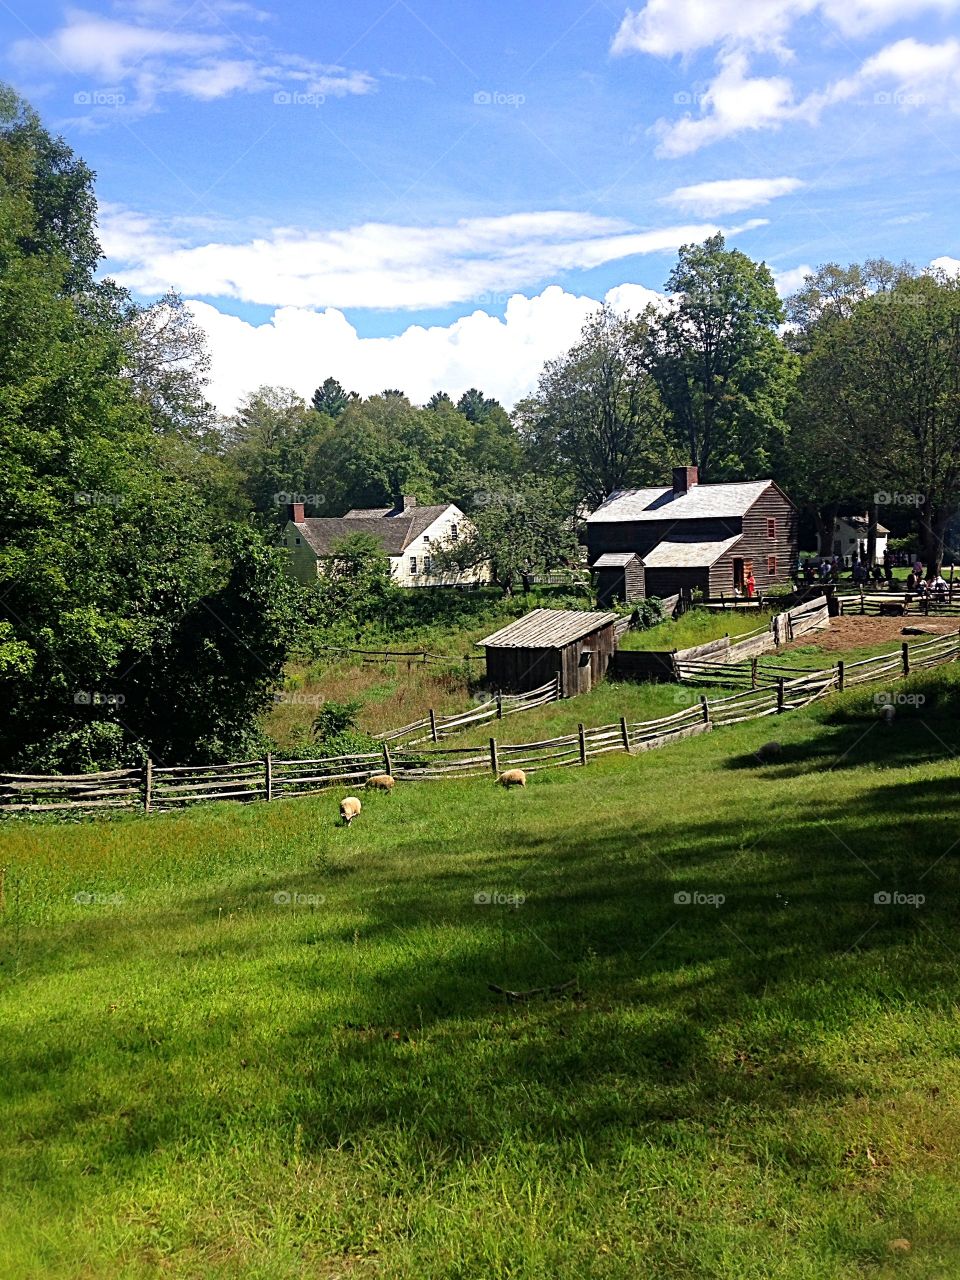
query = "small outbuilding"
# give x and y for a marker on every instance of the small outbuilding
(572, 644)
(619, 577)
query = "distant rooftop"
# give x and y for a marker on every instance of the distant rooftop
(701, 502)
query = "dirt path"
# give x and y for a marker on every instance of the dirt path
(858, 632)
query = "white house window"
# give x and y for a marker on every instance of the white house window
(454, 532)
(426, 539)
(427, 563)
(413, 564)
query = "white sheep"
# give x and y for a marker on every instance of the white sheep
(349, 809)
(513, 778)
(381, 782)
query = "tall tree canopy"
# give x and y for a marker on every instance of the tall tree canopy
(723, 373)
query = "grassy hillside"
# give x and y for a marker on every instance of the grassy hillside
(203, 1074)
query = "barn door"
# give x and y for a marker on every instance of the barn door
(585, 670)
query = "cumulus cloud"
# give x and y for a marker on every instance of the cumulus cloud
(193, 55)
(299, 347)
(728, 195)
(736, 100)
(381, 265)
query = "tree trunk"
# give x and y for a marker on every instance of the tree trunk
(872, 536)
(826, 518)
(932, 535)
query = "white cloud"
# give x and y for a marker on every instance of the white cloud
(736, 101)
(380, 265)
(680, 27)
(950, 266)
(790, 280)
(203, 62)
(728, 195)
(298, 348)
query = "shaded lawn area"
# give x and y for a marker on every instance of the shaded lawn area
(198, 1078)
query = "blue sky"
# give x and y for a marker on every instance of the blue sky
(432, 194)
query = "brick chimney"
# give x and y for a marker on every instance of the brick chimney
(409, 501)
(295, 512)
(684, 478)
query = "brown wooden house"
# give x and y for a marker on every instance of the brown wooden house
(699, 536)
(576, 646)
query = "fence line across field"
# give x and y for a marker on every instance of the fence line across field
(153, 788)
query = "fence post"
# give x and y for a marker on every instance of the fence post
(494, 761)
(779, 694)
(147, 784)
(499, 705)
(840, 676)
(583, 744)
(625, 733)
(705, 708)
(433, 725)
(268, 774)
(753, 672)
(863, 608)
(905, 649)
(387, 762)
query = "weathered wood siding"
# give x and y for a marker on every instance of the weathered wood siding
(756, 545)
(626, 584)
(520, 670)
(642, 536)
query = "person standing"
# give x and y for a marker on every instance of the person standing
(751, 585)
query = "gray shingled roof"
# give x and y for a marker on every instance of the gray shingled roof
(393, 532)
(614, 560)
(547, 629)
(702, 502)
(687, 552)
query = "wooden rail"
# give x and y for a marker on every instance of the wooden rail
(160, 788)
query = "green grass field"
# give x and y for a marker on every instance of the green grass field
(699, 626)
(260, 1045)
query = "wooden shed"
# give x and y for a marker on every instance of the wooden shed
(570, 643)
(619, 576)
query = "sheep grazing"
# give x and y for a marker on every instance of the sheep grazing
(513, 778)
(769, 751)
(380, 782)
(349, 809)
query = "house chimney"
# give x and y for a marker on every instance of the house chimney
(409, 501)
(684, 478)
(295, 512)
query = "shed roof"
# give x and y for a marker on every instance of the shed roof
(547, 629)
(614, 559)
(687, 552)
(701, 502)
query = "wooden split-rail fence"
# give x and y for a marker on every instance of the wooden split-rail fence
(433, 728)
(153, 789)
(897, 604)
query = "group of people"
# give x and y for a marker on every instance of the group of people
(828, 569)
